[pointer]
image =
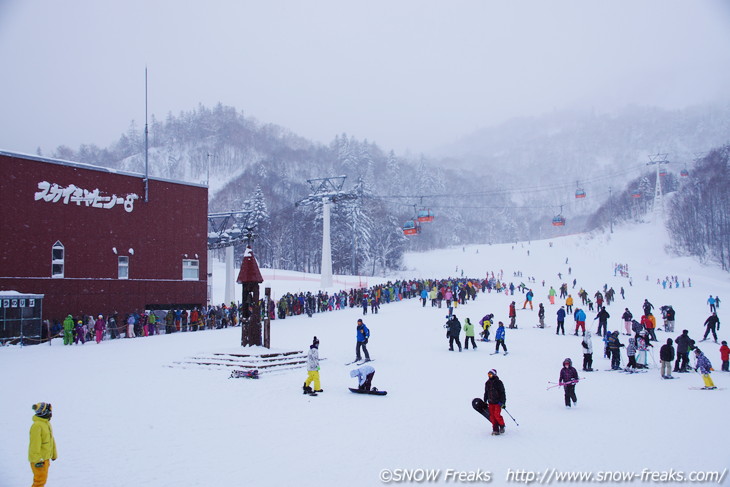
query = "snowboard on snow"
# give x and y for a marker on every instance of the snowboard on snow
(707, 388)
(247, 374)
(373, 392)
(481, 407)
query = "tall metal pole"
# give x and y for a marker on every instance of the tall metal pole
(146, 144)
(326, 279)
(610, 210)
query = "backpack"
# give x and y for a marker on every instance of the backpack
(636, 326)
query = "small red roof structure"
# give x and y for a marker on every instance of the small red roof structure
(249, 269)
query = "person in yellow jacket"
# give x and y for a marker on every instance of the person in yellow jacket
(569, 304)
(42, 448)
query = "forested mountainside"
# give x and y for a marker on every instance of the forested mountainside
(498, 185)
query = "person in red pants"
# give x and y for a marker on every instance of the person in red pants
(496, 399)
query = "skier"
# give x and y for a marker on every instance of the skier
(42, 447)
(469, 334)
(541, 316)
(704, 367)
(568, 378)
(670, 315)
(711, 322)
(496, 399)
(614, 346)
(364, 374)
(631, 354)
(363, 334)
(512, 315)
(666, 355)
(647, 307)
(725, 356)
(528, 299)
(642, 345)
(561, 321)
(424, 297)
(499, 338)
(551, 295)
(711, 301)
(313, 368)
(587, 346)
(627, 317)
(684, 342)
(580, 321)
(569, 303)
(602, 318)
(454, 328)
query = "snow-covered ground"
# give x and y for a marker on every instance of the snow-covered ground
(124, 415)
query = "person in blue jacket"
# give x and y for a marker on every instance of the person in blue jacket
(580, 321)
(424, 296)
(363, 334)
(561, 321)
(499, 338)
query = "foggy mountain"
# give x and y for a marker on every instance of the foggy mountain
(497, 185)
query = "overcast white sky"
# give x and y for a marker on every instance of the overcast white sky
(407, 74)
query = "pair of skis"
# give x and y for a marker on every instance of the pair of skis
(359, 362)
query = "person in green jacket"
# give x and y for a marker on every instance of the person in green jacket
(469, 333)
(42, 448)
(68, 330)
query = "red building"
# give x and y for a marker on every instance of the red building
(85, 238)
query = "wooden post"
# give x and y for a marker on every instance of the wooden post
(250, 278)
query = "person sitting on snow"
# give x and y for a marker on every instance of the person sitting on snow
(364, 376)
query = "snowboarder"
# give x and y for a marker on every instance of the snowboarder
(561, 321)
(666, 355)
(453, 326)
(710, 323)
(364, 374)
(528, 299)
(469, 334)
(486, 324)
(363, 334)
(499, 338)
(568, 378)
(684, 342)
(313, 368)
(42, 447)
(587, 345)
(496, 399)
(725, 356)
(704, 367)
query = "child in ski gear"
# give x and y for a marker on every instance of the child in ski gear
(614, 346)
(642, 346)
(541, 316)
(499, 338)
(568, 378)
(725, 356)
(453, 326)
(364, 374)
(666, 355)
(704, 367)
(587, 345)
(469, 334)
(711, 322)
(561, 321)
(683, 342)
(631, 353)
(363, 334)
(496, 399)
(313, 368)
(42, 447)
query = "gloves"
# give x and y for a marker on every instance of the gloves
(39, 464)
(317, 369)
(503, 405)
(366, 341)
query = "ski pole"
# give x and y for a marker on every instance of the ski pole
(513, 419)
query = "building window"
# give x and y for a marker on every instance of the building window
(190, 270)
(58, 257)
(123, 267)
